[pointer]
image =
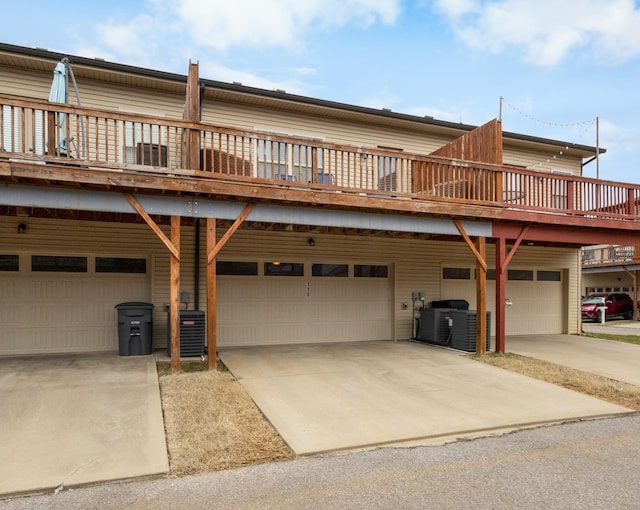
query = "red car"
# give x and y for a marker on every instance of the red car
(617, 305)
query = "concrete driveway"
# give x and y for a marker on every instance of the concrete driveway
(608, 358)
(79, 419)
(326, 397)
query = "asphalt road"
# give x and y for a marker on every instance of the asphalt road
(584, 465)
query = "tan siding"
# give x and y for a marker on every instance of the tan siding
(566, 260)
(416, 264)
(133, 99)
(68, 237)
(609, 280)
(329, 130)
(543, 162)
(25, 83)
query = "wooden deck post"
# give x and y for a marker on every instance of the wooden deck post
(480, 253)
(635, 295)
(481, 297)
(175, 296)
(501, 253)
(191, 137)
(212, 298)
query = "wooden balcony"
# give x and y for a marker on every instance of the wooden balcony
(45, 143)
(606, 256)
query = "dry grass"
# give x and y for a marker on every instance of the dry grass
(211, 423)
(616, 392)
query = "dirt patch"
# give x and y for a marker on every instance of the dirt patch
(211, 424)
(616, 392)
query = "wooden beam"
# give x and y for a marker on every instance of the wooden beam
(634, 280)
(479, 258)
(502, 262)
(481, 297)
(211, 255)
(515, 246)
(169, 243)
(600, 232)
(191, 137)
(175, 296)
(480, 253)
(212, 298)
(635, 295)
(239, 188)
(501, 245)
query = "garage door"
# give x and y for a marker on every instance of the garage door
(54, 304)
(537, 296)
(303, 303)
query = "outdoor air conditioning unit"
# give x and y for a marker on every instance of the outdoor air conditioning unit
(463, 330)
(151, 154)
(434, 325)
(192, 333)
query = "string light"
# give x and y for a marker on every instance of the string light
(551, 124)
(586, 124)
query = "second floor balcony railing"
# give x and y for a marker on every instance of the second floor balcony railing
(102, 139)
(593, 256)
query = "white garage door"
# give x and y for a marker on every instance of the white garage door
(304, 303)
(51, 310)
(538, 297)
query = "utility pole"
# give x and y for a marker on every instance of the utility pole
(597, 147)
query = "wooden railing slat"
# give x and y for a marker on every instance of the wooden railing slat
(103, 138)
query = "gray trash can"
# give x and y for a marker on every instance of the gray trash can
(135, 327)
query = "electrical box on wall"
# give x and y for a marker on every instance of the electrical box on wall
(417, 295)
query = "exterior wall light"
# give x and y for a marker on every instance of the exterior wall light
(22, 228)
(311, 241)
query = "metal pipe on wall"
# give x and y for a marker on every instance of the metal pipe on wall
(196, 270)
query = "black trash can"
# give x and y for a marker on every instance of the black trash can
(135, 328)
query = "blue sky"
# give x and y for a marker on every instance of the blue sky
(558, 64)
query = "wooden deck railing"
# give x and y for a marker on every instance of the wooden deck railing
(594, 256)
(31, 129)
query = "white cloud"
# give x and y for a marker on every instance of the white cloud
(619, 139)
(224, 73)
(167, 32)
(438, 114)
(272, 23)
(548, 31)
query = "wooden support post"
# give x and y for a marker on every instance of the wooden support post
(175, 296)
(635, 295)
(481, 297)
(212, 339)
(480, 253)
(501, 270)
(634, 282)
(502, 261)
(191, 137)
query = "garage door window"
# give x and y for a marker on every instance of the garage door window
(524, 275)
(283, 269)
(57, 264)
(121, 265)
(9, 263)
(229, 268)
(456, 273)
(370, 271)
(549, 276)
(335, 270)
